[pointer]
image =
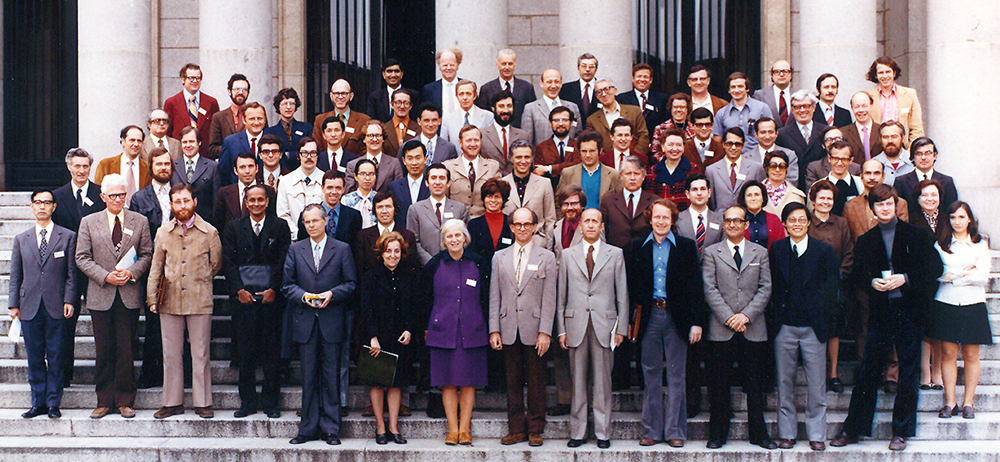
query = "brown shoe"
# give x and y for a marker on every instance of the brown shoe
(535, 439)
(675, 443)
(898, 443)
(817, 446)
(100, 412)
(843, 439)
(451, 439)
(204, 412)
(465, 438)
(646, 441)
(404, 411)
(167, 411)
(126, 412)
(368, 412)
(786, 444)
(513, 438)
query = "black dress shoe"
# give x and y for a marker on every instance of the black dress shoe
(243, 412)
(344, 412)
(559, 409)
(35, 412)
(300, 439)
(397, 438)
(835, 385)
(603, 444)
(575, 443)
(381, 438)
(714, 444)
(272, 413)
(766, 444)
(333, 440)
(54, 413)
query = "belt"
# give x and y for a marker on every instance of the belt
(661, 304)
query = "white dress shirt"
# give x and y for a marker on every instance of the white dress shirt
(48, 233)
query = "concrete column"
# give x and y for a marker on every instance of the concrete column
(238, 38)
(603, 29)
(477, 28)
(775, 37)
(114, 69)
(963, 50)
(291, 50)
(840, 38)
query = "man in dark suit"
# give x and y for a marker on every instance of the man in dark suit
(827, 112)
(204, 175)
(288, 130)
(229, 120)
(319, 282)
(624, 217)
(333, 137)
(379, 100)
(190, 107)
(341, 96)
(42, 295)
(897, 267)
(924, 154)
(653, 103)
(442, 91)
(793, 134)
(582, 92)
(863, 134)
(501, 134)
(438, 149)
(412, 187)
(258, 242)
(777, 97)
(521, 90)
(230, 204)
(621, 144)
(249, 140)
(270, 169)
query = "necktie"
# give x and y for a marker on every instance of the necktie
(503, 131)
(621, 159)
(129, 183)
(193, 110)
(782, 108)
(866, 143)
(316, 255)
(288, 131)
(45, 244)
(342, 118)
(585, 100)
(737, 257)
(631, 209)
(472, 175)
(430, 150)
(562, 152)
(590, 262)
(568, 231)
(829, 116)
(307, 180)
(243, 204)
(506, 86)
(190, 170)
(253, 146)
(643, 101)
(795, 250)
(256, 228)
(699, 234)
(159, 144)
(926, 177)
(270, 180)
(79, 202)
(732, 175)
(466, 119)
(702, 144)
(331, 223)
(375, 160)
(805, 132)
(438, 212)
(517, 271)
(116, 233)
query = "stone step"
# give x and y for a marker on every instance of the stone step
(17, 213)
(85, 326)
(15, 198)
(220, 348)
(14, 227)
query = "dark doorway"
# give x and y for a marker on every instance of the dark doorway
(40, 104)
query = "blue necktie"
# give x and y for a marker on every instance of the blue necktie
(331, 223)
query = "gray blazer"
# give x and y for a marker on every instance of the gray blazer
(793, 161)
(443, 150)
(535, 120)
(29, 290)
(713, 227)
(422, 221)
(96, 256)
(602, 301)
(723, 194)
(452, 123)
(538, 197)
(730, 290)
(389, 169)
(493, 146)
(522, 311)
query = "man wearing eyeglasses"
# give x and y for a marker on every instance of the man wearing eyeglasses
(341, 96)
(703, 150)
(158, 124)
(190, 107)
(229, 120)
(924, 158)
(778, 96)
(387, 166)
(400, 128)
(698, 79)
(819, 169)
(301, 187)
(729, 175)
(840, 170)
(248, 140)
(611, 111)
(803, 136)
(288, 130)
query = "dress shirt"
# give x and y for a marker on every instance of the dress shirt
(552, 103)
(254, 143)
(807, 128)
(702, 146)
(729, 166)
(163, 197)
(799, 248)
(255, 225)
(377, 158)
(635, 195)
(694, 218)
(187, 97)
(827, 110)
(966, 290)
(777, 98)
(111, 221)
(125, 171)
(267, 174)
(612, 116)
(521, 184)
(82, 191)
(336, 213)
(888, 103)
(589, 95)
(640, 96)
(587, 245)
(242, 190)
(382, 229)
(661, 255)
(346, 114)
(157, 141)
(449, 101)
(706, 103)
(335, 157)
(924, 176)
(466, 162)
(186, 225)
(414, 184)
(742, 245)
(48, 233)
(317, 250)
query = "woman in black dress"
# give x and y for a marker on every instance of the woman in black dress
(927, 196)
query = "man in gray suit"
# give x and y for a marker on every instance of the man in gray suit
(387, 166)
(424, 218)
(468, 113)
(106, 243)
(522, 310)
(203, 175)
(44, 302)
(737, 288)
(158, 123)
(500, 135)
(535, 119)
(592, 283)
(778, 97)
(730, 174)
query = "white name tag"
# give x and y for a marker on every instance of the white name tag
(713, 225)
(650, 107)
(600, 106)
(349, 129)
(449, 215)
(411, 133)
(202, 111)
(470, 282)
(127, 231)
(569, 149)
(298, 132)
(754, 264)
(87, 201)
(575, 123)
(709, 154)
(58, 254)
(740, 176)
(532, 267)
(505, 240)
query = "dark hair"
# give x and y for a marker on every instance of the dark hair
(561, 109)
(822, 185)
(699, 68)
(403, 91)
(363, 161)
(440, 166)
(521, 143)
(621, 122)
(389, 62)
(679, 96)
(701, 113)
(383, 195)
(756, 124)
(946, 232)
(182, 187)
(823, 77)
(695, 177)
(921, 142)
(42, 190)
(742, 197)
(253, 105)
(193, 67)
(590, 135)
(738, 75)
(428, 106)
(286, 93)
(253, 187)
(674, 211)
(493, 186)
(640, 67)
(791, 207)
(885, 61)
(840, 144)
(567, 190)
(672, 131)
(919, 188)
(500, 96)
(775, 153)
(272, 139)
(735, 131)
(466, 129)
(154, 153)
(130, 127)
(333, 120)
(303, 141)
(414, 144)
(881, 192)
(892, 123)
(236, 78)
(332, 174)
(245, 155)
(188, 129)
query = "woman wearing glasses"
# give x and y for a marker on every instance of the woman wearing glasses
(779, 190)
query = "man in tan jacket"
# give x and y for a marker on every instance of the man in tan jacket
(188, 254)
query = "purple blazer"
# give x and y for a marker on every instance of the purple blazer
(445, 281)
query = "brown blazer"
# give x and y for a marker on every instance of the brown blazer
(222, 126)
(717, 103)
(114, 165)
(189, 260)
(640, 136)
(853, 137)
(860, 217)
(390, 143)
(621, 228)
(547, 153)
(464, 192)
(354, 137)
(691, 153)
(610, 181)
(910, 114)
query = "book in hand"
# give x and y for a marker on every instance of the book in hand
(379, 370)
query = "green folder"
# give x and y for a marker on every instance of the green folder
(380, 370)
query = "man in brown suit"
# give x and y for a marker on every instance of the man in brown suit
(138, 171)
(354, 135)
(469, 171)
(861, 105)
(601, 120)
(860, 217)
(559, 151)
(400, 128)
(229, 120)
(703, 150)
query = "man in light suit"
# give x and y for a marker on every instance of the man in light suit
(341, 96)
(535, 119)
(301, 187)
(582, 92)
(44, 302)
(601, 120)
(133, 170)
(767, 134)
(522, 310)
(501, 134)
(777, 97)
(334, 155)
(883, 73)
(597, 179)
(467, 113)
(862, 135)
(319, 283)
(249, 140)
(190, 107)
(425, 217)
(438, 149)
(530, 191)
(411, 188)
(652, 103)
(288, 130)
(229, 120)
(737, 288)
(731, 173)
(470, 171)
(792, 135)
(114, 295)
(925, 154)
(827, 112)
(521, 90)
(387, 166)
(442, 91)
(593, 284)
(158, 124)
(558, 151)
(204, 175)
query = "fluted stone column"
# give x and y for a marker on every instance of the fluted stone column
(479, 29)
(601, 28)
(836, 37)
(963, 54)
(238, 38)
(115, 55)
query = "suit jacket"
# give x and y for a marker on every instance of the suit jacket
(730, 290)
(906, 187)
(807, 150)
(228, 206)
(792, 174)
(232, 146)
(853, 137)
(535, 120)
(114, 165)
(400, 189)
(610, 181)
(523, 92)
(723, 192)
(206, 183)
(348, 226)
(44, 281)
(390, 143)
(290, 159)
(572, 92)
(335, 274)
(492, 147)
(242, 247)
(910, 114)
(422, 220)
(685, 227)
(147, 204)
(366, 258)
(601, 300)
(654, 112)
(820, 169)
(547, 153)
(691, 153)
(538, 197)
(766, 96)
(96, 256)
(443, 150)
(685, 294)
(841, 116)
(452, 123)
(555, 244)
(67, 215)
(177, 110)
(187, 261)
(522, 311)
(222, 125)
(323, 161)
(816, 280)
(640, 135)
(608, 157)
(620, 226)
(173, 147)
(378, 104)
(389, 170)
(860, 217)
(354, 137)
(465, 192)
(432, 91)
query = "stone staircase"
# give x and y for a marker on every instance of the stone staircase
(188, 437)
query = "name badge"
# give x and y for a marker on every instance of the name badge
(754, 264)
(709, 154)
(202, 111)
(87, 201)
(650, 107)
(575, 123)
(449, 215)
(470, 282)
(127, 231)
(349, 129)
(506, 240)
(713, 225)
(740, 176)
(411, 133)
(532, 267)
(298, 132)
(58, 254)
(569, 149)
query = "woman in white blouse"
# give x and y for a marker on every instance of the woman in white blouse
(959, 315)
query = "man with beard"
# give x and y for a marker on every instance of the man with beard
(895, 159)
(558, 151)
(498, 136)
(229, 120)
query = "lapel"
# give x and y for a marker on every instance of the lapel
(30, 246)
(809, 263)
(202, 104)
(579, 253)
(727, 257)
(199, 168)
(530, 189)
(602, 258)
(491, 134)
(328, 252)
(605, 178)
(622, 205)
(233, 201)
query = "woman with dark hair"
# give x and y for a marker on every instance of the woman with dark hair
(927, 195)
(491, 232)
(387, 296)
(892, 101)
(959, 316)
(780, 191)
(763, 228)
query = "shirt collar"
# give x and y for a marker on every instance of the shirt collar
(426, 140)
(670, 237)
(321, 243)
(550, 102)
(47, 228)
(930, 174)
(498, 127)
(186, 225)
(194, 160)
(892, 91)
(261, 222)
(617, 109)
(383, 229)
(346, 113)
(800, 246)
(187, 96)
(526, 247)
(84, 189)
(586, 245)
(742, 244)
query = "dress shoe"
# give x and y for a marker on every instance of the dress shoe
(925, 386)
(947, 411)
(381, 438)
(464, 438)
(243, 412)
(890, 386)
(535, 439)
(100, 412)
(843, 439)
(714, 444)
(937, 387)
(967, 412)
(766, 444)
(126, 412)
(368, 412)
(54, 413)
(603, 444)
(344, 412)
(404, 411)
(646, 441)
(675, 443)
(167, 411)
(898, 443)
(817, 446)
(513, 438)
(575, 443)
(298, 413)
(272, 413)
(35, 412)
(204, 412)
(835, 385)
(300, 439)
(397, 438)
(559, 409)
(786, 444)
(333, 440)
(451, 438)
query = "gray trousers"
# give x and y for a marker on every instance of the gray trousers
(662, 346)
(591, 357)
(786, 347)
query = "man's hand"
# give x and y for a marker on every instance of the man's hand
(67, 310)
(326, 296)
(737, 322)
(540, 170)
(695, 335)
(375, 347)
(894, 282)
(268, 296)
(542, 343)
(14, 313)
(405, 338)
(562, 341)
(618, 339)
(245, 297)
(116, 278)
(126, 274)
(152, 309)
(495, 341)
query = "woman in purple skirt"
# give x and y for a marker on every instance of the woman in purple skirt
(456, 290)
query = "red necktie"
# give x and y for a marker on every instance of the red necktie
(585, 101)
(506, 155)
(732, 175)
(782, 108)
(643, 102)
